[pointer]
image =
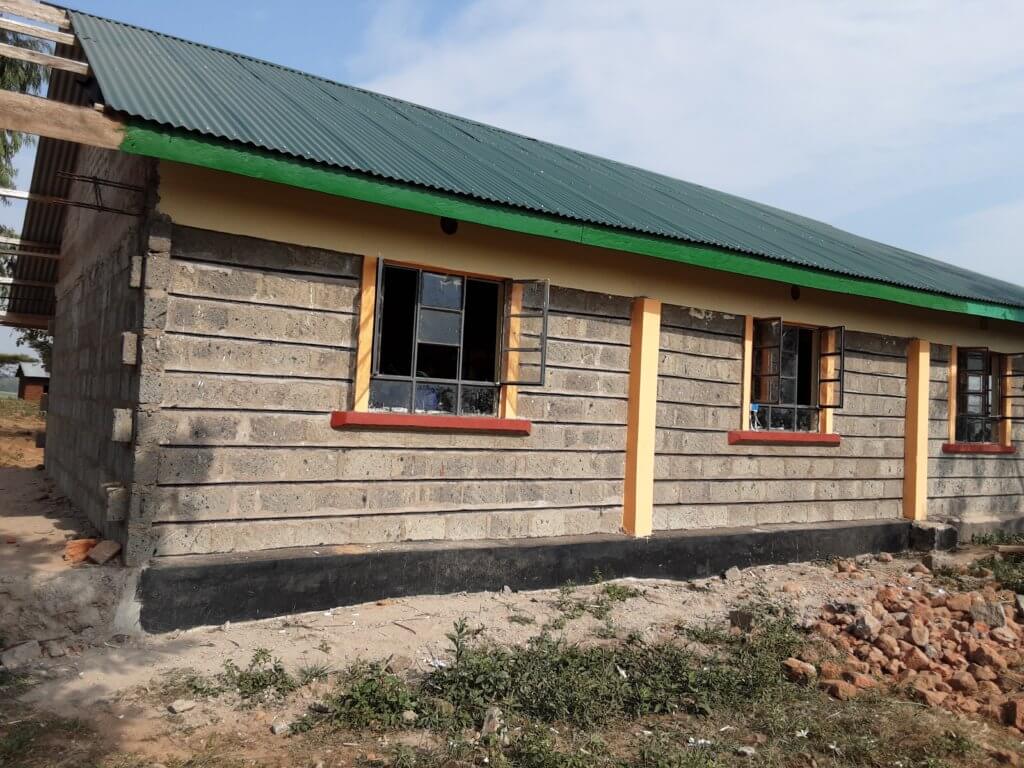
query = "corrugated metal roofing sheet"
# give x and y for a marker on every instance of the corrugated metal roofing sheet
(32, 371)
(188, 86)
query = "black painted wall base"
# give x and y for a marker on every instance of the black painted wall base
(200, 590)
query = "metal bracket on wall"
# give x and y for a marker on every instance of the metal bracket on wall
(97, 184)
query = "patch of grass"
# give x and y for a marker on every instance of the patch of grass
(1008, 570)
(264, 678)
(369, 697)
(998, 536)
(19, 409)
(619, 593)
(17, 742)
(312, 673)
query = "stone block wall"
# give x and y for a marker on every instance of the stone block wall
(982, 491)
(701, 481)
(96, 304)
(257, 349)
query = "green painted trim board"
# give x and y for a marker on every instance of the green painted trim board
(166, 144)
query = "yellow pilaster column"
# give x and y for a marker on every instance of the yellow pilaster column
(915, 451)
(638, 501)
(364, 345)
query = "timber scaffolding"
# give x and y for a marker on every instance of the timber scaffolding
(68, 117)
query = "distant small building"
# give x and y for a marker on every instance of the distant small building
(33, 382)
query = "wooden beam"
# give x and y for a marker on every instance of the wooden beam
(35, 11)
(41, 322)
(7, 253)
(748, 371)
(827, 416)
(510, 392)
(30, 283)
(638, 501)
(364, 345)
(915, 435)
(55, 120)
(44, 59)
(28, 243)
(33, 31)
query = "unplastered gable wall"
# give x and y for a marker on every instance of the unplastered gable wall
(259, 348)
(96, 304)
(977, 490)
(701, 481)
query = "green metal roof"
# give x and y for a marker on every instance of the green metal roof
(205, 91)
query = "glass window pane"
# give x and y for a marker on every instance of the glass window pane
(479, 401)
(975, 383)
(790, 339)
(435, 398)
(807, 420)
(390, 395)
(766, 389)
(441, 291)
(975, 362)
(398, 311)
(480, 334)
(789, 364)
(439, 327)
(782, 418)
(437, 361)
(788, 391)
(974, 404)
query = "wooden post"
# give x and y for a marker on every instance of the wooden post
(748, 370)
(915, 451)
(638, 501)
(364, 345)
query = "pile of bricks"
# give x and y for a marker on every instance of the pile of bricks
(957, 650)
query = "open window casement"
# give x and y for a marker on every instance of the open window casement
(831, 366)
(524, 338)
(1011, 384)
(766, 384)
(978, 378)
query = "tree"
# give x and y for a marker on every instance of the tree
(9, 362)
(40, 342)
(23, 77)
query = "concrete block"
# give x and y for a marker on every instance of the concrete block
(926, 536)
(129, 348)
(157, 244)
(121, 425)
(117, 502)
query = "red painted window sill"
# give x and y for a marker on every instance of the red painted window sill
(990, 448)
(759, 437)
(429, 422)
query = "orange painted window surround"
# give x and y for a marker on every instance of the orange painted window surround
(362, 417)
(1005, 444)
(825, 436)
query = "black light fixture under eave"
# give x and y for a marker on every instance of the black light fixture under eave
(449, 226)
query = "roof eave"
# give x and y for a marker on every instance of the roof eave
(151, 140)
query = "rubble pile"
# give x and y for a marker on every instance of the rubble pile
(961, 651)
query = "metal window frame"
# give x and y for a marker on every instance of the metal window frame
(413, 379)
(840, 352)
(542, 342)
(1006, 391)
(755, 373)
(988, 396)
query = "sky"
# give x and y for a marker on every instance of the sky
(902, 122)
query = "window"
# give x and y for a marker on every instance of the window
(796, 372)
(438, 342)
(987, 384)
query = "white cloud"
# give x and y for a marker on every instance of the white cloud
(992, 236)
(829, 109)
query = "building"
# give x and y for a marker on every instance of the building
(33, 382)
(291, 315)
